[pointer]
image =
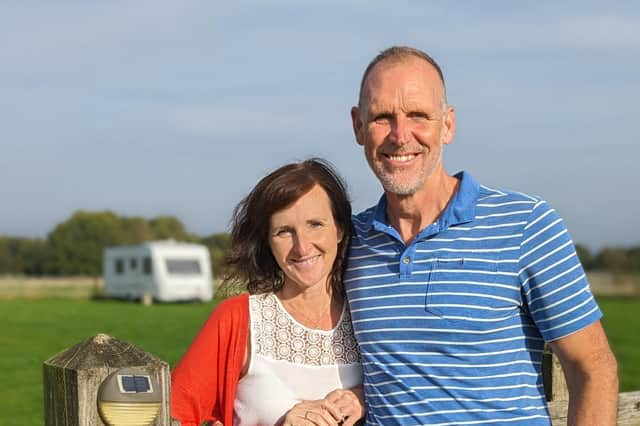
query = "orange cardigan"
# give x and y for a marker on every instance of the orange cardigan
(203, 384)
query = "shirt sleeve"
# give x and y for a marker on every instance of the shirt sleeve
(203, 383)
(554, 284)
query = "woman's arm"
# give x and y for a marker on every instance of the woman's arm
(204, 382)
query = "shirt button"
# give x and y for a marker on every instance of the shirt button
(406, 260)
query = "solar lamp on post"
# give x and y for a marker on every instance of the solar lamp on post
(129, 396)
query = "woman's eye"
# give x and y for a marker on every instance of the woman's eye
(282, 233)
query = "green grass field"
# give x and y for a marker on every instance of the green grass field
(34, 330)
(623, 329)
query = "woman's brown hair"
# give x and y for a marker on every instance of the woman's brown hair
(251, 262)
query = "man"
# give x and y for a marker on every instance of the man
(455, 287)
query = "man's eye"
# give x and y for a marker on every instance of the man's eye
(382, 118)
(316, 224)
(419, 116)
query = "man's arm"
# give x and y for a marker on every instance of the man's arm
(591, 372)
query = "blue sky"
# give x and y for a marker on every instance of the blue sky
(177, 108)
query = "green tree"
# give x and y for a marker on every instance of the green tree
(163, 227)
(9, 262)
(137, 229)
(613, 259)
(33, 252)
(633, 259)
(75, 246)
(219, 246)
(585, 256)
(22, 255)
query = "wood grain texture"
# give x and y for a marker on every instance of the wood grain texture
(628, 410)
(71, 379)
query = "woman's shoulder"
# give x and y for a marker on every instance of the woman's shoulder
(234, 302)
(232, 306)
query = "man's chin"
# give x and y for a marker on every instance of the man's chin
(393, 186)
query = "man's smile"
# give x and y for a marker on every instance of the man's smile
(401, 158)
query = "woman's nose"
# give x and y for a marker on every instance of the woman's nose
(301, 244)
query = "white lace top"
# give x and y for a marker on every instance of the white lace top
(290, 362)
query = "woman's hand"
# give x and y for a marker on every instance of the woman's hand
(321, 412)
(350, 403)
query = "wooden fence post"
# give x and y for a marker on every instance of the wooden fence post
(71, 379)
(555, 386)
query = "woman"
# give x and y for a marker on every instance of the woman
(285, 353)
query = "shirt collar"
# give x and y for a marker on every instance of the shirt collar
(461, 209)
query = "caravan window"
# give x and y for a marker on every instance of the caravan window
(133, 263)
(146, 265)
(119, 266)
(183, 266)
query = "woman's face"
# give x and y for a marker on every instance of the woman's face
(304, 239)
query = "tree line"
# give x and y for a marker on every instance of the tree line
(74, 247)
(612, 259)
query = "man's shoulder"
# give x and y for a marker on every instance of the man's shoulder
(490, 196)
(495, 203)
(364, 217)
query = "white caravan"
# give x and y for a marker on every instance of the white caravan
(167, 270)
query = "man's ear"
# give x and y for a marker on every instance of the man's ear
(448, 125)
(356, 122)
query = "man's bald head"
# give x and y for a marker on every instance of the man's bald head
(394, 55)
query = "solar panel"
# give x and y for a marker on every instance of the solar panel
(135, 384)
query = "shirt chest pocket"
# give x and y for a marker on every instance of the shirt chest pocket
(472, 289)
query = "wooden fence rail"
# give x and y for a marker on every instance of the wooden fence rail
(628, 410)
(72, 378)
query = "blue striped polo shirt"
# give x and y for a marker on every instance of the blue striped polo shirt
(452, 326)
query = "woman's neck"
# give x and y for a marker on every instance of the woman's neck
(314, 308)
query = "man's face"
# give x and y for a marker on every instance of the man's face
(402, 125)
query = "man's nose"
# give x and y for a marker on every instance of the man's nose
(400, 131)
